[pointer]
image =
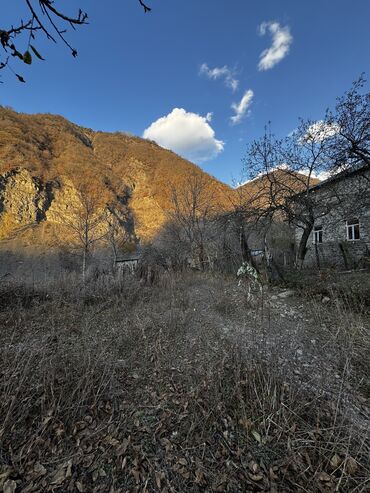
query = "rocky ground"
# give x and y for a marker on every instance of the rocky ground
(317, 341)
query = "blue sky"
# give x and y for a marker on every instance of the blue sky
(154, 74)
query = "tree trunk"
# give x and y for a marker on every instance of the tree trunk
(84, 256)
(346, 260)
(115, 256)
(272, 271)
(302, 247)
(244, 248)
(317, 253)
(201, 257)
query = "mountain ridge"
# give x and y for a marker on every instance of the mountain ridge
(43, 156)
(45, 159)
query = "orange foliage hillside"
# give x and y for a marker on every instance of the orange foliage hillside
(56, 151)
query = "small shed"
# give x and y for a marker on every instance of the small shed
(128, 263)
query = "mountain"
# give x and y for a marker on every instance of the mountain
(45, 159)
(281, 183)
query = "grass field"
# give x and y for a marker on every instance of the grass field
(184, 385)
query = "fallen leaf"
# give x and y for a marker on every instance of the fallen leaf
(121, 449)
(184, 473)
(256, 477)
(9, 486)
(324, 477)
(69, 469)
(335, 461)
(61, 474)
(351, 466)
(48, 417)
(256, 436)
(273, 476)
(199, 476)
(39, 469)
(158, 479)
(136, 474)
(245, 423)
(111, 441)
(4, 476)
(80, 487)
(88, 460)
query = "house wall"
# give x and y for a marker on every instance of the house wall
(349, 198)
(127, 265)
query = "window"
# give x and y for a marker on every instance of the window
(317, 234)
(353, 229)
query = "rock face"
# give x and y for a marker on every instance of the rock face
(44, 159)
(26, 202)
(24, 197)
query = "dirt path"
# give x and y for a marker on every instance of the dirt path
(310, 342)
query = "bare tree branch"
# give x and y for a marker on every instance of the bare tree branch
(44, 17)
(145, 7)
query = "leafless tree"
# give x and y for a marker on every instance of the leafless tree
(241, 220)
(191, 212)
(287, 168)
(350, 141)
(87, 223)
(117, 234)
(43, 17)
(257, 229)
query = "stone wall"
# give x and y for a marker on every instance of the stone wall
(341, 201)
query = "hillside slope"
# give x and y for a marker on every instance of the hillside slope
(44, 158)
(281, 183)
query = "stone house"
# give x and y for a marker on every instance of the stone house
(341, 233)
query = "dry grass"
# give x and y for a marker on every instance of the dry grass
(122, 387)
(351, 288)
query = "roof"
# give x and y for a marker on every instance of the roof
(130, 257)
(357, 169)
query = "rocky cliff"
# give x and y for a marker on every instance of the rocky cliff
(45, 159)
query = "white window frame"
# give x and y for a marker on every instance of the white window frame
(316, 235)
(350, 226)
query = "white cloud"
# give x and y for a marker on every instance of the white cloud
(281, 41)
(320, 175)
(241, 108)
(224, 73)
(323, 175)
(187, 134)
(319, 131)
(209, 116)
